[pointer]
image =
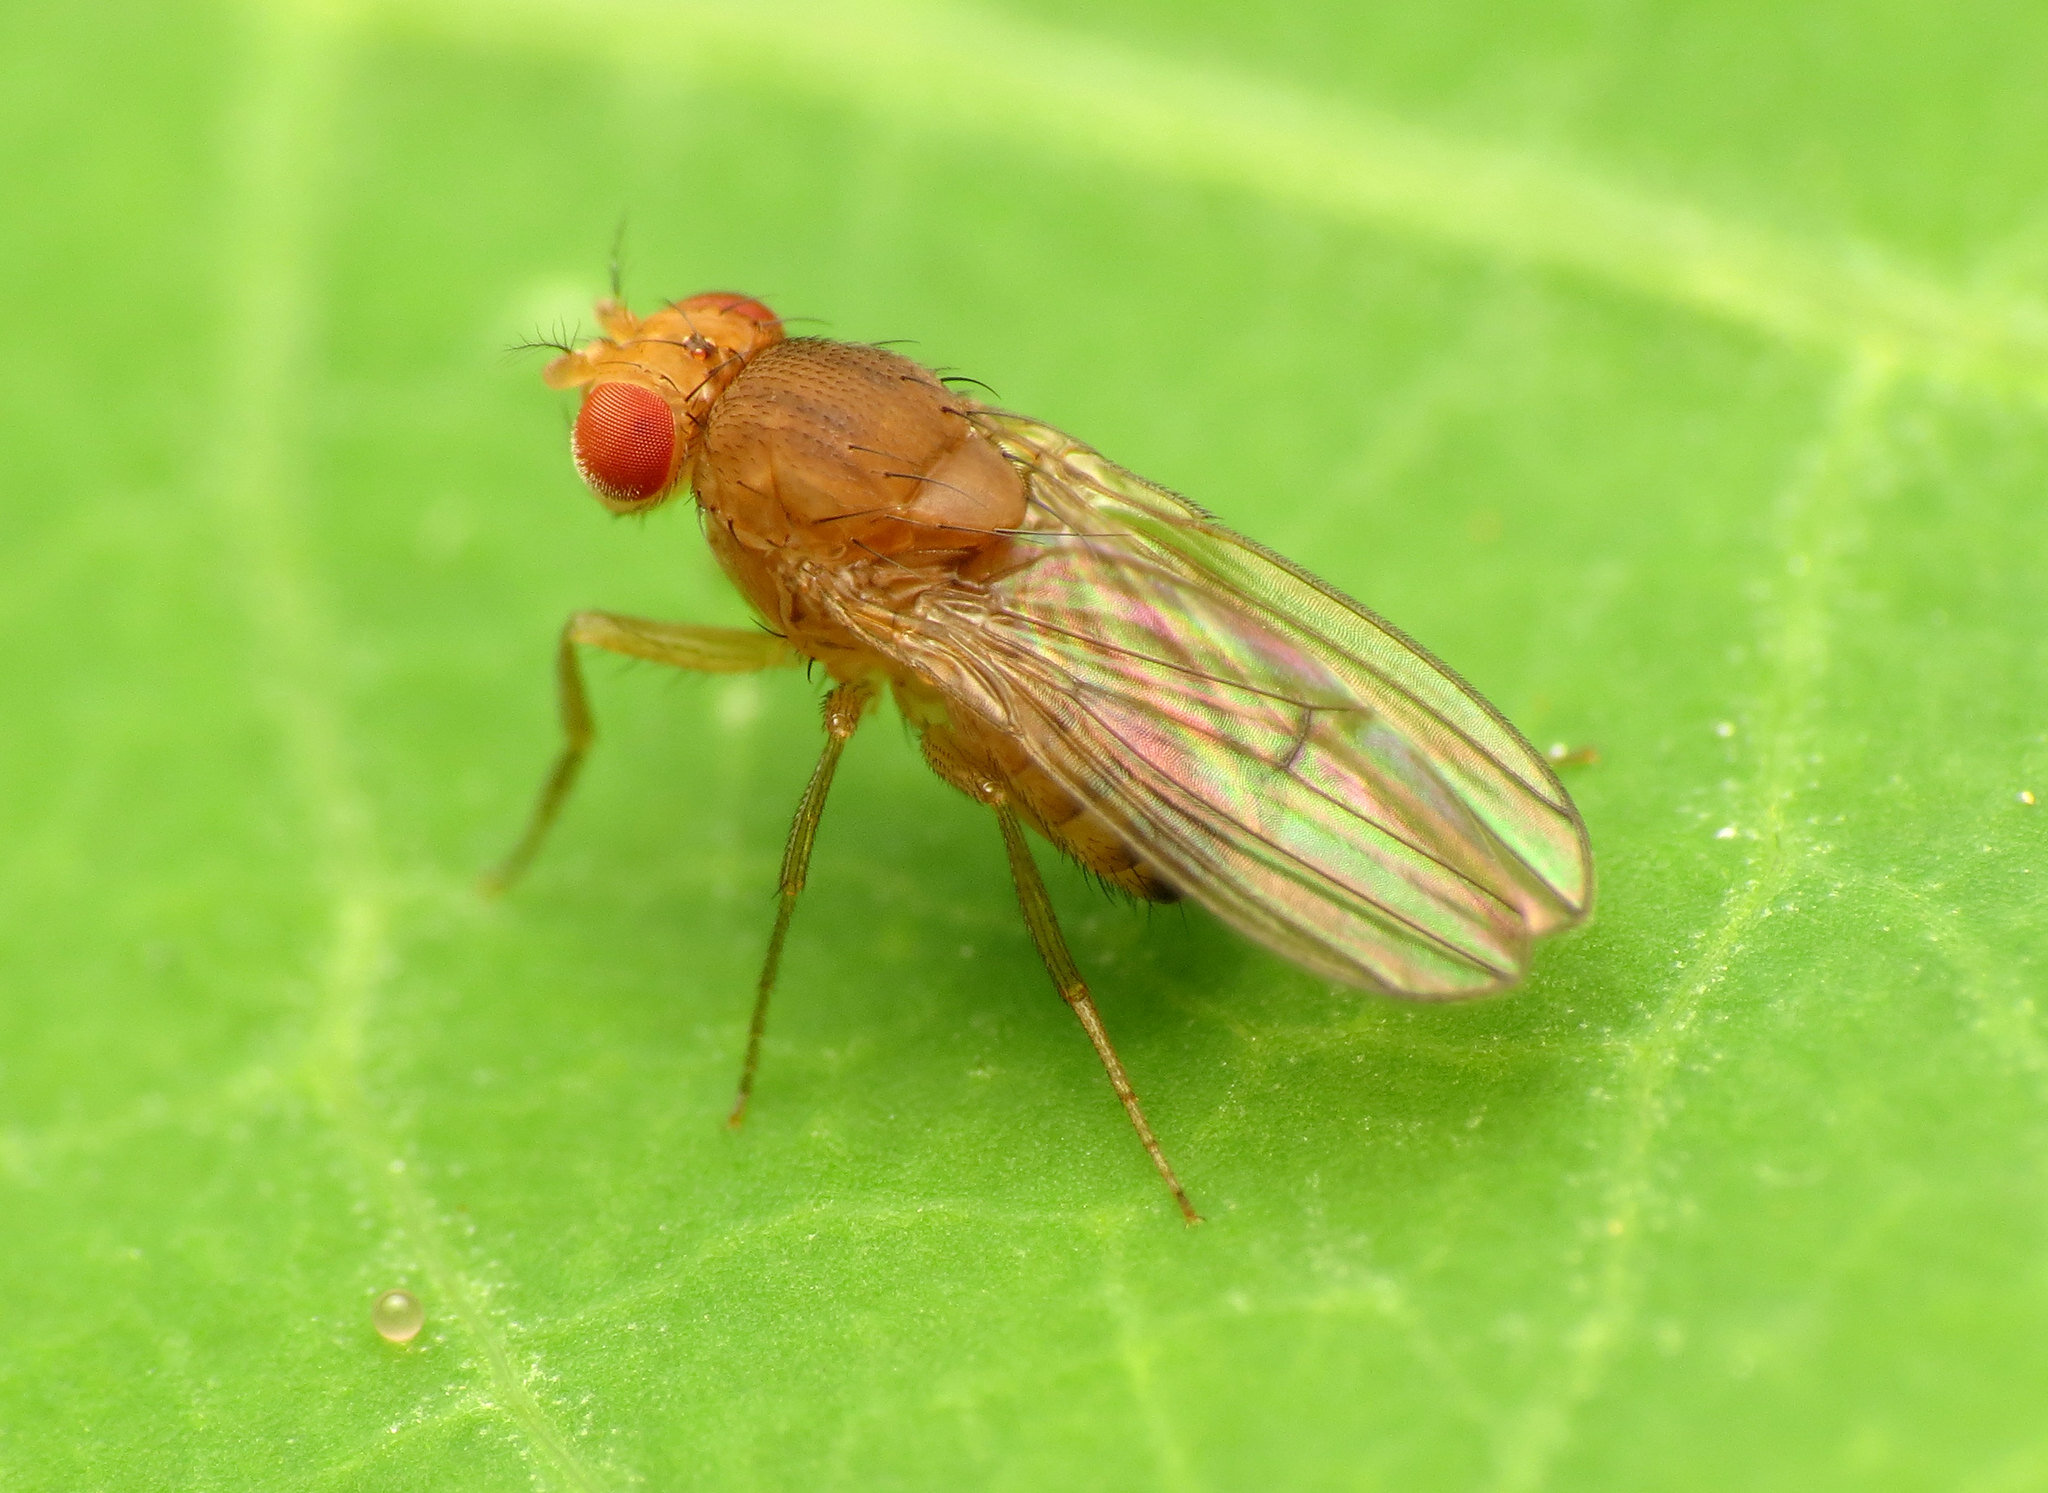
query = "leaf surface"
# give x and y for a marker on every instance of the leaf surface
(1674, 373)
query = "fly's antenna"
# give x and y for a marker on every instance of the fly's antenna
(562, 339)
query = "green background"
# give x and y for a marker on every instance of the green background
(1676, 371)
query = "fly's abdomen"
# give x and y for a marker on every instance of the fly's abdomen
(980, 763)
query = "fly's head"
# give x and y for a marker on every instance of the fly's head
(648, 384)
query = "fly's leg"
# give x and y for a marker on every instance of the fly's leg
(843, 710)
(708, 650)
(1052, 949)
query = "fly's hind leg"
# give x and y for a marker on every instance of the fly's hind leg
(1066, 978)
(843, 710)
(708, 650)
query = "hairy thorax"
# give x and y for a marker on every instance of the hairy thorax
(828, 451)
(842, 486)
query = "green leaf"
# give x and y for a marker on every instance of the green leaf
(1676, 373)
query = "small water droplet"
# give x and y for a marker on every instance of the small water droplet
(398, 1316)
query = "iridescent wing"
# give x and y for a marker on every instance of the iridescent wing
(1276, 752)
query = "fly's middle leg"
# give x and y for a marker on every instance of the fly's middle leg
(843, 710)
(707, 650)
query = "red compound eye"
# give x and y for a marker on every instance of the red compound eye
(749, 308)
(725, 303)
(625, 441)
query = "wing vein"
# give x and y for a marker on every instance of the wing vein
(1314, 872)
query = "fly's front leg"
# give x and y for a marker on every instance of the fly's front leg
(707, 650)
(843, 710)
(1066, 978)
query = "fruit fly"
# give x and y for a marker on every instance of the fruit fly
(1180, 711)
